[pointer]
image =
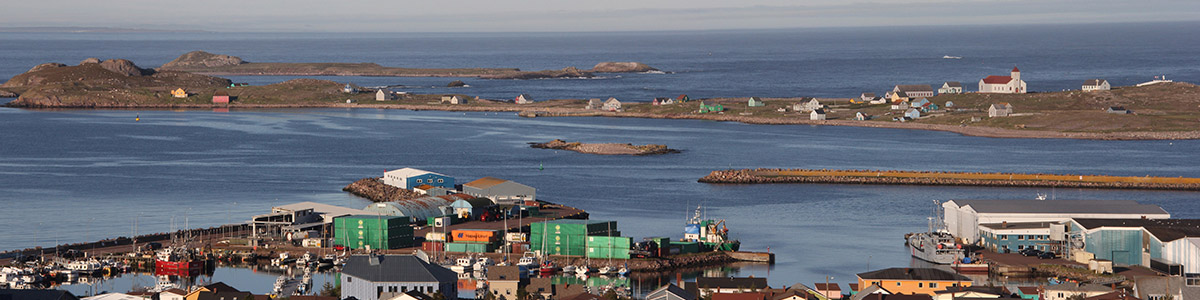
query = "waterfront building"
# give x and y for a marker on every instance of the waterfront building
(902, 105)
(809, 105)
(1067, 290)
(706, 107)
(372, 232)
(708, 286)
(417, 208)
(612, 104)
(670, 292)
(909, 91)
(1166, 287)
(867, 290)
(523, 99)
(913, 280)
(383, 95)
(285, 220)
(830, 290)
(951, 87)
(739, 296)
(505, 281)
(912, 114)
(662, 101)
(595, 104)
(1006, 237)
(114, 296)
(500, 191)
(409, 295)
(375, 277)
(217, 290)
(1011, 84)
(999, 110)
(1027, 292)
(859, 116)
(962, 217)
(179, 93)
(1096, 85)
(1171, 246)
(754, 102)
(409, 178)
(172, 294)
(220, 97)
(683, 98)
(426, 189)
(817, 115)
(455, 99)
(471, 208)
(972, 292)
(349, 89)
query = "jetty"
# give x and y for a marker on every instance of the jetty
(898, 177)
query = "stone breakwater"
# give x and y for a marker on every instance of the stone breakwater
(373, 189)
(759, 176)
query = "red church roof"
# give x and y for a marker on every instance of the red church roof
(997, 79)
(1016, 70)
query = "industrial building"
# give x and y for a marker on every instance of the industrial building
(417, 208)
(1004, 237)
(373, 232)
(962, 217)
(375, 277)
(1169, 245)
(500, 191)
(299, 217)
(471, 208)
(409, 178)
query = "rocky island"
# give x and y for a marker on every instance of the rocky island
(217, 64)
(605, 148)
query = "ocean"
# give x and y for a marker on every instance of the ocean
(83, 175)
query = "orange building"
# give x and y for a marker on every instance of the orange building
(912, 280)
(179, 93)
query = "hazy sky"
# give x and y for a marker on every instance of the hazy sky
(574, 15)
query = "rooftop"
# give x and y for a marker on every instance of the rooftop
(409, 172)
(732, 282)
(485, 182)
(1062, 206)
(913, 274)
(1018, 225)
(396, 268)
(1165, 229)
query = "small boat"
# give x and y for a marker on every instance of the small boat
(527, 261)
(583, 269)
(623, 271)
(568, 269)
(462, 265)
(605, 270)
(952, 57)
(548, 267)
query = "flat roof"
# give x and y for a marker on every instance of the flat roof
(1062, 206)
(913, 274)
(327, 211)
(1165, 229)
(1019, 225)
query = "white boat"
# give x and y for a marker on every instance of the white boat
(583, 269)
(605, 270)
(84, 266)
(623, 271)
(528, 261)
(568, 269)
(462, 265)
(952, 57)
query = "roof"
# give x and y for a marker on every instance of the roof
(1114, 295)
(1165, 229)
(220, 93)
(584, 296)
(1077, 287)
(176, 291)
(738, 296)
(994, 290)
(114, 296)
(424, 187)
(396, 268)
(897, 297)
(410, 172)
(1094, 82)
(913, 88)
(953, 84)
(819, 111)
(997, 79)
(321, 208)
(36, 294)
(1018, 225)
(1016, 70)
(1028, 290)
(732, 282)
(477, 202)
(833, 286)
(1116, 108)
(868, 95)
(1061, 206)
(506, 273)
(999, 106)
(672, 289)
(485, 182)
(682, 96)
(913, 274)
(802, 293)
(418, 208)
(853, 286)
(221, 287)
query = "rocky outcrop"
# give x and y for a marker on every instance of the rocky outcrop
(124, 67)
(45, 66)
(605, 148)
(90, 60)
(201, 59)
(8, 94)
(568, 72)
(622, 67)
(456, 83)
(373, 189)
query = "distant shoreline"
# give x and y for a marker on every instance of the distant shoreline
(536, 112)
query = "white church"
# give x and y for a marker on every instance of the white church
(1003, 84)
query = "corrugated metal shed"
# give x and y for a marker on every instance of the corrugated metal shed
(419, 208)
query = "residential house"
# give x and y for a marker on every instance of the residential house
(810, 105)
(1096, 85)
(949, 104)
(662, 101)
(830, 290)
(523, 99)
(1120, 294)
(1011, 84)
(32, 294)
(972, 292)
(385, 95)
(913, 90)
(670, 292)
(739, 296)
(902, 105)
(718, 285)
(594, 104)
(349, 89)
(913, 113)
(454, 100)
(1166, 287)
(999, 110)
(500, 191)
(612, 104)
(797, 293)
(951, 87)
(897, 297)
(409, 295)
(754, 102)
(683, 98)
(706, 107)
(1028, 292)
(867, 97)
(867, 290)
(817, 115)
(409, 178)
(172, 294)
(216, 291)
(913, 280)
(505, 281)
(179, 93)
(545, 288)
(859, 116)
(1120, 110)
(471, 208)
(115, 296)
(367, 277)
(1067, 290)
(220, 97)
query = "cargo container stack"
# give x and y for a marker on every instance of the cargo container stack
(608, 247)
(472, 240)
(568, 236)
(376, 232)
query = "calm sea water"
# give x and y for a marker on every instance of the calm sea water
(81, 175)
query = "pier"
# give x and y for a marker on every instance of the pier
(894, 177)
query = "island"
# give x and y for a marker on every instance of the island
(1160, 111)
(605, 148)
(217, 64)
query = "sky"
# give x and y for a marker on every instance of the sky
(573, 15)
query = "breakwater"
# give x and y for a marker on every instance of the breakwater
(756, 176)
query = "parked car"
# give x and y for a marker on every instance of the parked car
(1030, 252)
(1047, 255)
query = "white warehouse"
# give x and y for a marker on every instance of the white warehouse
(962, 217)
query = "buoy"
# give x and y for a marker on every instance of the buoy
(137, 118)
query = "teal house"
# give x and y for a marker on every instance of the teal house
(754, 102)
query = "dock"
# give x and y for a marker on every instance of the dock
(898, 177)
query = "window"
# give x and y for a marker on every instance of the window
(933, 285)
(1020, 247)
(920, 284)
(441, 180)
(897, 283)
(1003, 237)
(349, 279)
(1192, 279)
(1029, 237)
(419, 180)
(1020, 237)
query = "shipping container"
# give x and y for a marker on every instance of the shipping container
(376, 232)
(432, 246)
(467, 284)
(573, 227)
(312, 243)
(469, 247)
(446, 221)
(685, 247)
(617, 253)
(609, 241)
(516, 237)
(436, 236)
(474, 235)
(661, 242)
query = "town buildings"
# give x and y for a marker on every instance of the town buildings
(962, 217)
(951, 87)
(375, 277)
(500, 191)
(913, 280)
(409, 178)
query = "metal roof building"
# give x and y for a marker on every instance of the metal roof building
(500, 191)
(962, 217)
(418, 208)
(374, 277)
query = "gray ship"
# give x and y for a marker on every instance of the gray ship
(936, 245)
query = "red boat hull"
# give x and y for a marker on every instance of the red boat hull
(178, 268)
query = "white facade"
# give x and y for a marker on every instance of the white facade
(612, 104)
(523, 99)
(962, 219)
(383, 95)
(817, 115)
(999, 110)
(1096, 85)
(1184, 251)
(1011, 84)
(399, 178)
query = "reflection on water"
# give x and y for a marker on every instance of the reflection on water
(250, 278)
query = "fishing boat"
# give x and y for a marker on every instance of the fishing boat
(624, 270)
(85, 267)
(548, 267)
(712, 233)
(605, 270)
(936, 245)
(569, 269)
(178, 261)
(462, 265)
(527, 261)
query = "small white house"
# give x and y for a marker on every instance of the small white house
(809, 105)
(595, 104)
(867, 97)
(454, 100)
(523, 99)
(999, 110)
(383, 95)
(817, 115)
(859, 116)
(1096, 85)
(951, 87)
(612, 104)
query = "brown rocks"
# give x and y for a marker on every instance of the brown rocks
(124, 67)
(456, 83)
(605, 148)
(373, 189)
(45, 66)
(622, 67)
(7, 94)
(201, 59)
(90, 60)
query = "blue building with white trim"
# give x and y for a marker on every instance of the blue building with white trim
(409, 178)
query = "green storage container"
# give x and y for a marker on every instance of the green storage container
(573, 227)
(606, 252)
(609, 241)
(469, 247)
(686, 247)
(377, 232)
(605, 281)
